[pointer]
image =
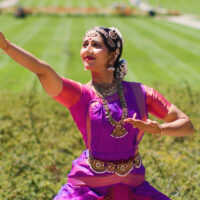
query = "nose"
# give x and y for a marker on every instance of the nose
(89, 49)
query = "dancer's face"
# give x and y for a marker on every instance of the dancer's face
(95, 55)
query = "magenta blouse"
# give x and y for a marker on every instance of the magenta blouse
(76, 96)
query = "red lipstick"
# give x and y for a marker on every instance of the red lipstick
(89, 58)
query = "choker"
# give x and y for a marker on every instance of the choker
(105, 91)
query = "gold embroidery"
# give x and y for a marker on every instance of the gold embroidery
(121, 168)
(119, 131)
(111, 167)
(97, 165)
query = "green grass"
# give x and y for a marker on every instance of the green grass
(38, 143)
(71, 3)
(171, 50)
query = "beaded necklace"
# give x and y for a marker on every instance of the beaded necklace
(119, 131)
(106, 91)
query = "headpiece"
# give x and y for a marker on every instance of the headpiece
(114, 42)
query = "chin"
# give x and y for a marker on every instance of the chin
(89, 67)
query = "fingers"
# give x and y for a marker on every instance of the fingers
(147, 125)
(134, 116)
(131, 120)
(135, 122)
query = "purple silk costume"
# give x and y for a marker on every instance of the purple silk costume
(89, 115)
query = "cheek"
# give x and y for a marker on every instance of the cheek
(102, 53)
(103, 56)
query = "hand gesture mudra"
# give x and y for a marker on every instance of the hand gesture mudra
(147, 126)
(4, 43)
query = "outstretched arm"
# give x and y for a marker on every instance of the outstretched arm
(50, 80)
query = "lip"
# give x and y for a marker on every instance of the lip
(89, 58)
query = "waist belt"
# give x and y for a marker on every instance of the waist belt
(121, 167)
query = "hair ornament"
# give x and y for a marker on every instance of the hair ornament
(118, 44)
(113, 34)
(121, 71)
(117, 32)
(117, 53)
(110, 42)
(102, 31)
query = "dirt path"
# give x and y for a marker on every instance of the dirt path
(187, 20)
(145, 7)
(8, 3)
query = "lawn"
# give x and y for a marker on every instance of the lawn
(171, 50)
(38, 143)
(71, 3)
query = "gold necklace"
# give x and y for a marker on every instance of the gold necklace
(106, 91)
(119, 131)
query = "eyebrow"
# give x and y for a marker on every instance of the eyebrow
(92, 41)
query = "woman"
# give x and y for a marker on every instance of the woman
(112, 116)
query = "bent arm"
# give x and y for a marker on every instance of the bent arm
(177, 123)
(49, 79)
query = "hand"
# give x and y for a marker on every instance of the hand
(147, 126)
(4, 43)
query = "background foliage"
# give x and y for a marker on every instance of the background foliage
(38, 139)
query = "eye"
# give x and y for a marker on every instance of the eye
(97, 45)
(85, 44)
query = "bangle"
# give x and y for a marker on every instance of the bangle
(158, 135)
(6, 48)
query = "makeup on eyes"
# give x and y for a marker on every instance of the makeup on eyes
(94, 43)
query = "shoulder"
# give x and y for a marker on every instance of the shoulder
(131, 83)
(88, 91)
(135, 86)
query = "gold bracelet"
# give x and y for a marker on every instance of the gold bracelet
(159, 135)
(6, 49)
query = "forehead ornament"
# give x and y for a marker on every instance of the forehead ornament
(91, 34)
(110, 36)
